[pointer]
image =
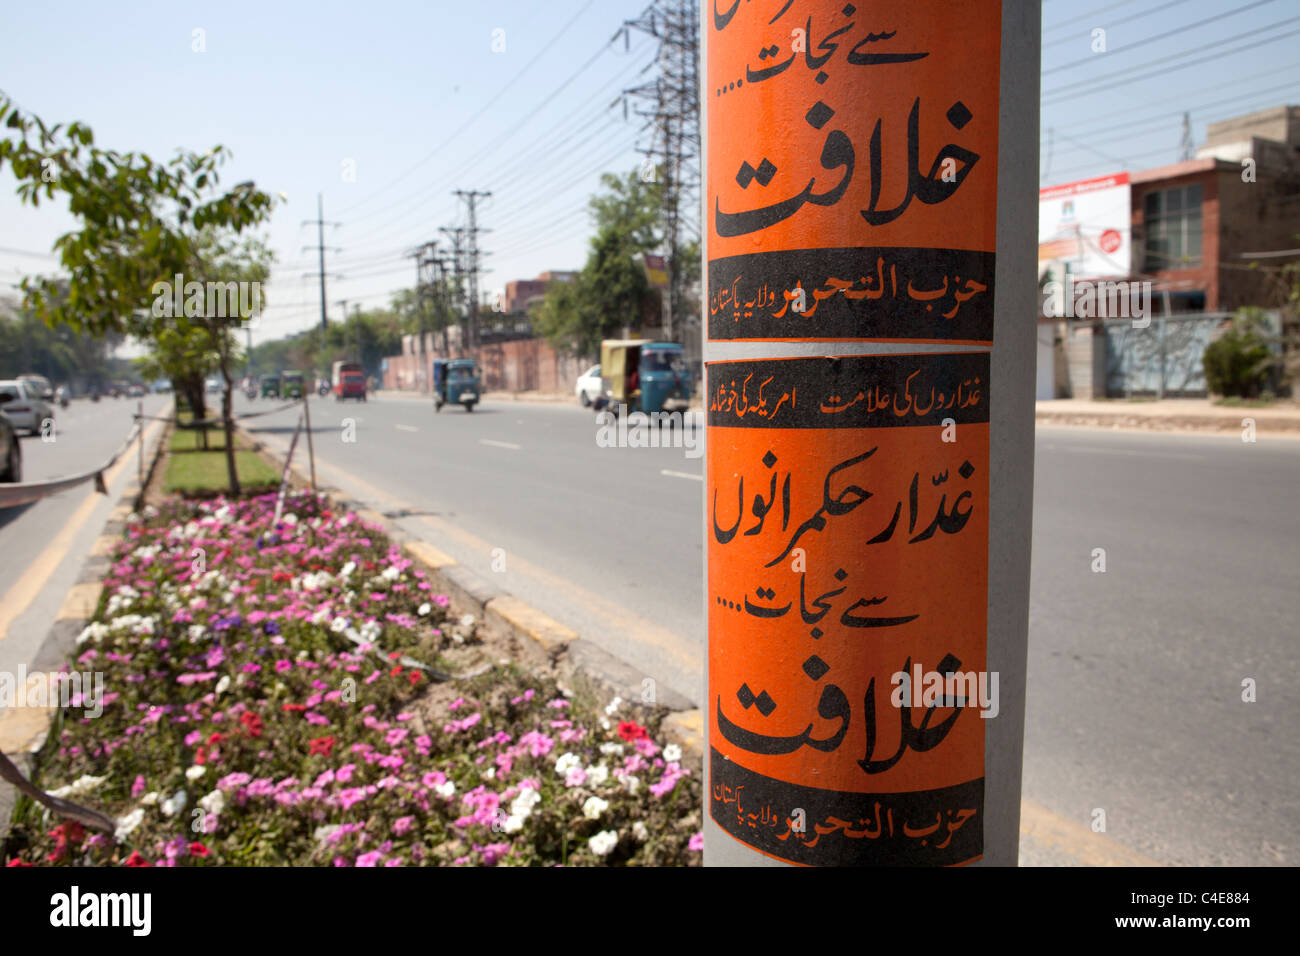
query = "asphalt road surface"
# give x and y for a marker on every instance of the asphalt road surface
(43, 544)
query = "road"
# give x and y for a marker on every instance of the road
(44, 543)
(1135, 673)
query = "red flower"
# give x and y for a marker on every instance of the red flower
(135, 859)
(70, 832)
(395, 671)
(18, 862)
(252, 723)
(630, 731)
(198, 849)
(321, 745)
(201, 755)
(414, 677)
(394, 655)
(216, 738)
(281, 576)
(293, 708)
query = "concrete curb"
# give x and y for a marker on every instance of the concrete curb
(577, 664)
(1182, 423)
(23, 732)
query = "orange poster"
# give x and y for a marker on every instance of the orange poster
(851, 181)
(848, 545)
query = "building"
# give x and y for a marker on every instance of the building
(523, 294)
(1190, 229)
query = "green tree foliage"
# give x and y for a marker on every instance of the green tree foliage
(1239, 361)
(60, 353)
(141, 222)
(611, 291)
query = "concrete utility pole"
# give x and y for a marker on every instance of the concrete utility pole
(869, 221)
(320, 224)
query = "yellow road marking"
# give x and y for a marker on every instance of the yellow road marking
(1049, 829)
(24, 591)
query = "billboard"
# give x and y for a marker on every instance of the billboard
(1085, 226)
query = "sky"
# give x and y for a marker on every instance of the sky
(385, 108)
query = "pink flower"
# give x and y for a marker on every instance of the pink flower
(372, 858)
(697, 843)
(137, 788)
(402, 825)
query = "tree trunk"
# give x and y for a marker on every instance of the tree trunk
(228, 422)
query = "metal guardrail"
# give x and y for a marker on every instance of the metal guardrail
(12, 495)
(25, 492)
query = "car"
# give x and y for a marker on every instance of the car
(24, 408)
(136, 391)
(589, 387)
(213, 385)
(12, 469)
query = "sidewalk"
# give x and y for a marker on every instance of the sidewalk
(1171, 414)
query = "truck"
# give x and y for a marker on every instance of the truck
(348, 380)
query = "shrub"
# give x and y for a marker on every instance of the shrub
(1238, 363)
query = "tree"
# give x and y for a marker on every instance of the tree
(142, 222)
(611, 291)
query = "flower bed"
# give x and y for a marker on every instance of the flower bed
(273, 697)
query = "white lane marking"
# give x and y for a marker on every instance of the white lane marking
(681, 474)
(499, 444)
(407, 428)
(1132, 453)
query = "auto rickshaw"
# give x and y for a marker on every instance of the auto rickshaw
(270, 386)
(645, 376)
(292, 384)
(455, 382)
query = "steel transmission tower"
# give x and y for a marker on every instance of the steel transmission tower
(670, 141)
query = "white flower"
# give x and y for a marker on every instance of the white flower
(127, 823)
(605, 724)
(513, 824)
(594, 807)
(391, 573)
(214, 803)
(425, 608)
(490, 773)
(290, 518)
(467, 620)
(348, 568)
(672, 753)
(632, 784)
(223, 685)
(93, 632)
(523, 804)
(566, 763)
(597, 774)
(196, 632)
(614, 704)
(174, 804)
(611, 750)
(83, 784)
(339, 625)
(640, 832)
(445, 789)
(150, 798)
(323, 834)
(603, 842)
(195, 772)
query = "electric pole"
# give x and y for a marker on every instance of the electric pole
(867, 635)
(320, 224)
(671, 144)
(457, 236)
(470, 197)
